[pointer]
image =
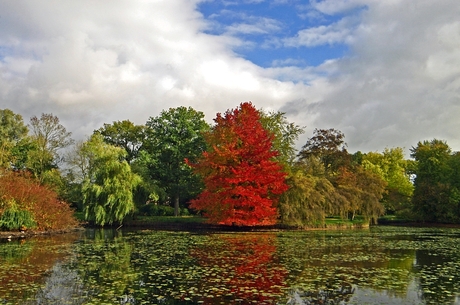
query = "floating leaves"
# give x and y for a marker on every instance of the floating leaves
(390, 265)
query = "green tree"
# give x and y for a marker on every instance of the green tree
(172, 137)
(49, 137)
(436, 197)
(285, 136)
(393, 168)
(124, 134)
(310, 197)
(329, 146)
(13, 135)
(108, 185)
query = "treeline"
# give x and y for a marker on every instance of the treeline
(241, 170)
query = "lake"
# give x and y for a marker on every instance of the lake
(380, 265)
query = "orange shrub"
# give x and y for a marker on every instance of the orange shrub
(27, 194)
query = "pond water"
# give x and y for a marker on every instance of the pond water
(380, 265)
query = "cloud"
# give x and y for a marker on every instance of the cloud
(339, 32)
(400, 84)
(93, 62)
(254, 25)
(332, 7)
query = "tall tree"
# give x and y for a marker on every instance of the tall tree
(108, 185)
(394, 169)
(124, 134)
(49, 137)
(329, 146)
(435, 198)
(172, 137)
(13, 134)
(310, 198)
(285, 135)
(243, 181)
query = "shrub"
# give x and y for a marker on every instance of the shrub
(23, 193)
(156, 210)
(14, 219)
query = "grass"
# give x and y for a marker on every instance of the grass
(145, 220)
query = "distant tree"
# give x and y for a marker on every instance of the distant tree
(329, 146)
(285, 135)
(361, 192)
(13, 135)
(310, 198)
(394, 169)
(124, 134)
(49, 137)
(242, 178)
(108, 184)
(172, 137)
(436, 197)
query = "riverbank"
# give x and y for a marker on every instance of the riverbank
(27, 234)
(194, 223)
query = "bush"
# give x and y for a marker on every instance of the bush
(13, 219)
(23, 193)
(156, 210)
(161, 210)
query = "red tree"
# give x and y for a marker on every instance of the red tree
(242, 179)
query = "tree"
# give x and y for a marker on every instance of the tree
(108, 185)
(49, 136)
(243, 181)
(124, 134)
(329, 146)
(309, 200)
(13, 133)
(172, 137)
(436, 197)
(393, 168)
(285, 135)
(361, 191)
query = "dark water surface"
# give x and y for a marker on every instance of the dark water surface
(380, 265)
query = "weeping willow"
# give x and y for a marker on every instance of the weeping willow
(108, 185)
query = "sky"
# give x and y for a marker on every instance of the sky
(385, 73)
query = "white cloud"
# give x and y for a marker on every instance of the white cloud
(93, 62)
(332, 7)
(400, 84)
(321, 35)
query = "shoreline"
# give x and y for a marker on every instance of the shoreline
(10, 235)
(206, 227)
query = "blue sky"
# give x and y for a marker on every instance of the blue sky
(264, 28)
(385, 73)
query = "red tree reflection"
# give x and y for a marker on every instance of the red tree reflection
(241, 268)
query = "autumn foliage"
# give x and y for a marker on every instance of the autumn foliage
(242, 179)
(19, 192)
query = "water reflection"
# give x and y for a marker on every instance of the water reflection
(245, 266)
(24, 264)
(377, 266)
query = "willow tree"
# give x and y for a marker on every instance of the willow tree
(310, 198)
(109, 182)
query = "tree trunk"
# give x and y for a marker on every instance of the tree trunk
(176, 205)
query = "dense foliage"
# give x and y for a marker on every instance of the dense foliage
(26, 204)
(172, 137)
(242, 180)
(243, 170)
(108, 185)
(437, 189)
